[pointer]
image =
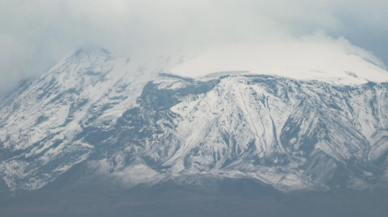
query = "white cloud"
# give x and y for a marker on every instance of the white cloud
(34, 34)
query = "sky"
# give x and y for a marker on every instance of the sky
(36, 34)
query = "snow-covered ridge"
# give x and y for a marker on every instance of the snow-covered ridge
(132, 124)
(328, 61)
(42, 121)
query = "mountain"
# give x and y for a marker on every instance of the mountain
(129, 122)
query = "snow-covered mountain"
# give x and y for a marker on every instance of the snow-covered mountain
(131, 122)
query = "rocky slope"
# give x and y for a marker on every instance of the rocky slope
(131, 124)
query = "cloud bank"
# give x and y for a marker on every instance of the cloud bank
(36, 34)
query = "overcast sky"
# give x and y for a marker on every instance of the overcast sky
(35, 34)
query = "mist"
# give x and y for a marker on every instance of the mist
(36, 34)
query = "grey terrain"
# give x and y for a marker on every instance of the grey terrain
(102, 136)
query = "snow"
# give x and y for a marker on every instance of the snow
(242, 127)
(63, 99)
(326, 61)
(136, 174)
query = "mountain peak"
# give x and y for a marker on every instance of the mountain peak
(89, 50)
(92, 53)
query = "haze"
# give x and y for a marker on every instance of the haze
(36, 34)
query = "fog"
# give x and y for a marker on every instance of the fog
(36, 34)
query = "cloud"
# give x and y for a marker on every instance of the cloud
(35, 34)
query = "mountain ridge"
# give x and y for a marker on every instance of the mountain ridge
(133, 124)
